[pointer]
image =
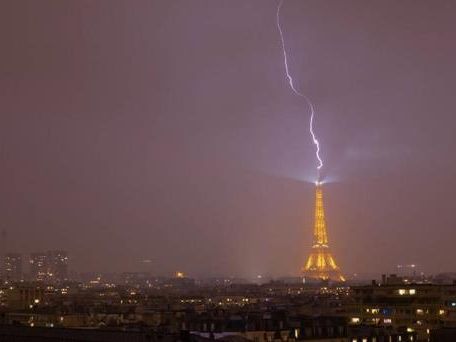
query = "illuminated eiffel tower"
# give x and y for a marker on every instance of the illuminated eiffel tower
(320, 263)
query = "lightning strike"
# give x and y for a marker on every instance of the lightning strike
(298, 93)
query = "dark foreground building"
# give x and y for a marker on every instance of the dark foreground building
(9, 333)
(321, 330)
(443, 335)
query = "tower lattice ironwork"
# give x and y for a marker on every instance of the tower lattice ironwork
(321, 263)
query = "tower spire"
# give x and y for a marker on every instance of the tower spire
(320, 263)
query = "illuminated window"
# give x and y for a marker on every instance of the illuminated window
(412, 291)
(355, 320)
(419, 311)
(402, 292)
(387, 321)
(441, 312)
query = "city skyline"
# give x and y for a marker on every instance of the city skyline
(167, 132)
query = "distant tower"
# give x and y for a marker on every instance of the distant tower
(320, 263)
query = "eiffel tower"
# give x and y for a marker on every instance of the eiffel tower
(320, 263)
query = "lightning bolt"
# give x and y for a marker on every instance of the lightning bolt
(298, 93)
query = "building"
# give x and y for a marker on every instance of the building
(418, 308)
(443, 335)
(49, 266)
(280, 326)
(24, 296)
(318, 328)
(380, 334)
(12, 267)
(21, 333)
(321, 263)
(57, 265)
(38, 266)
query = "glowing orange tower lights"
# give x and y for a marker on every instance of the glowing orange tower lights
(320, 263)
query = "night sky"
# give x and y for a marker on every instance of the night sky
(166, 130)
